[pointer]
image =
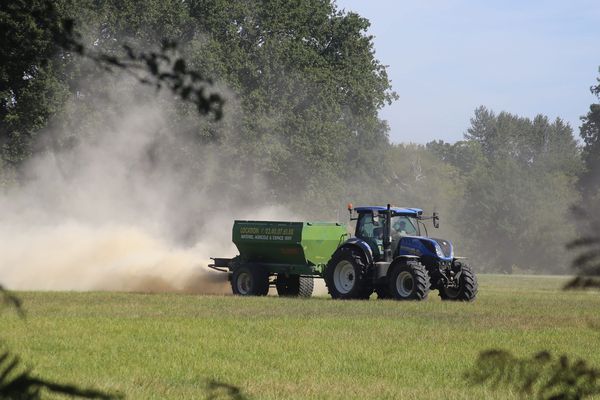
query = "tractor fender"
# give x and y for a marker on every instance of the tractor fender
(402, 258)
(406, 257)
(361, 245)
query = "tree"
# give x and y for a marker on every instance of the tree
(590, 133)
(518, 194)
(306, 89)
(464, 155)
(40, 53)
(309, 88)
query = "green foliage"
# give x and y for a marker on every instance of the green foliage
(587, 262)
(36, 76)
(590, 133)
(464, 155)
(520, 182)
(542, 376)
(309, 91)
(416, 176)
(307, 87)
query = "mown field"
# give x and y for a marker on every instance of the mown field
(155, 346)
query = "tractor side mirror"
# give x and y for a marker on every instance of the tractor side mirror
(436, 220)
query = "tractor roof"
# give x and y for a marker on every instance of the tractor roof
(414, 212)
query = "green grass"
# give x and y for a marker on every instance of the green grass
(169, 345)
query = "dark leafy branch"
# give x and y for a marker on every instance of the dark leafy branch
(587, 261)
(218, 390)
(11, 301)
(596, 88)
(164, 68)
(541, 376)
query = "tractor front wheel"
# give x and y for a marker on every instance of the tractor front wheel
(250, 281)
(467, 286)
(409, 280)
(294, 285)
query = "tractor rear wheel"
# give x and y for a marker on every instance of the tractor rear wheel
(294, 285)
(467, 286)
(409, 280)
(250, 281)
(345, 275)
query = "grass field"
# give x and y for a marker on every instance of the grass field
(170, 346)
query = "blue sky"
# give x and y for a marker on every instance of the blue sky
(448, 57)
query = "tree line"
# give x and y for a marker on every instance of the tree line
(300, 126)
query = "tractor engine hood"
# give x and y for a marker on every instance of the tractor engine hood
(424, 246)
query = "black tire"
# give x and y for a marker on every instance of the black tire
(383, 292)
(346, 275)
(467, 286)
(294, 285)
(366, 293)
(409, 280)
(250, 281)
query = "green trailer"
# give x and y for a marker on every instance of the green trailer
(288, 255)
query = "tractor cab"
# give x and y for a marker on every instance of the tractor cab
(372, 227)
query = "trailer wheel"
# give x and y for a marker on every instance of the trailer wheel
(345, 275)
(248, 281)
(467, 286)
(294, 285)
(409, 280)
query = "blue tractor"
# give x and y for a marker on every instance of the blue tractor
(392, 255)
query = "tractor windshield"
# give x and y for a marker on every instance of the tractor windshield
(403, 225)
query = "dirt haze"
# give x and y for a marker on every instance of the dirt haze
(131, 206)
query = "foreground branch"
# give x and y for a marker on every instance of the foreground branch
(541, 376)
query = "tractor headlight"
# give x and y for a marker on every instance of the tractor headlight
(438, 251)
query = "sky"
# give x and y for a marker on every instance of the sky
(446, 58)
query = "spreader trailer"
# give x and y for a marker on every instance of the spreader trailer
(390, 254)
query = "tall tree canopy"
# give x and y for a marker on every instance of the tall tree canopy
(306, 84)
(309, 87)
(517, 197)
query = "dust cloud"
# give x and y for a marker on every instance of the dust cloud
(132, 203)
(73, 256)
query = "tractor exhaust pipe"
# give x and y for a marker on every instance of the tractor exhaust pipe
(387, 235)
